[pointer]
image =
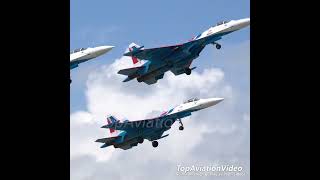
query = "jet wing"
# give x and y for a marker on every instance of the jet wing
(107, 140)
(130, 71)
(156, 135)
(151, 80)
(139, 124)
(162, 52)
(180, 69)
(154, 53)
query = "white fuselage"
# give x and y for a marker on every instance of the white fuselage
(226, 27)
(86, 54)
(195, 105)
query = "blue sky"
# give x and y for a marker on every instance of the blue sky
(149, 22)
(145, 22)
(220, 134)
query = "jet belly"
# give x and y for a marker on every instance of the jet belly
(151, 133)
(155, 132)
(129, 139)
(155, 71)
(158, 69)
(127, 143)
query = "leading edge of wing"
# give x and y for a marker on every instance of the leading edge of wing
(106, 140)
(130, 71)
(134, 53)
(138, 124)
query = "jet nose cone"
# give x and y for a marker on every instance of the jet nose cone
(213, 101)
(104, 49)
(244, 22)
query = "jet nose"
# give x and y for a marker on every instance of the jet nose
(104, 49)
(212, 101)
(244, 22)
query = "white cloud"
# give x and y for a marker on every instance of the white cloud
(82, 118)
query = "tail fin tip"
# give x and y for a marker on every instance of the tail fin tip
(133, 47)
(110, 120)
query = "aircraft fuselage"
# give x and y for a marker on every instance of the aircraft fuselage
(179, 60)
(153, 130)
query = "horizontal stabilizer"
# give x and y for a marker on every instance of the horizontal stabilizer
(130, 71)
(105, 145)
(129, 78)
(107, 140)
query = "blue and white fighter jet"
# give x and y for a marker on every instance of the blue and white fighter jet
(127, 134)
(175, 58)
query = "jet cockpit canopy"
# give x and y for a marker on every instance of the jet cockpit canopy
(222, 22)
(78, 50)
(191, 100)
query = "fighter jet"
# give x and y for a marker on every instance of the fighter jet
(126, 134)
(175, 58)
(84, 54)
